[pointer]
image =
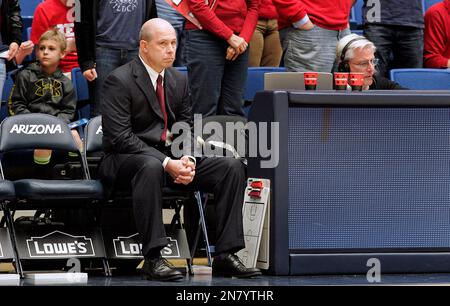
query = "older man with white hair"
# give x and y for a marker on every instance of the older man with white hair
(355, 53)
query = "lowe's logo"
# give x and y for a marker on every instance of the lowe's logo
(33, 129)
(60, 244)
(128, 247)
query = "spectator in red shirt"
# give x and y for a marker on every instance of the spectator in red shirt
(265, 47)
(310, 30)
(437, 36)
(217, 55)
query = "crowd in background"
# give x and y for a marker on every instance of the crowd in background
(233, 35)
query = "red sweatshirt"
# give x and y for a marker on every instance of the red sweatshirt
(49, 14)
(436, 49)
(267, 10)
(227, 17)
(328, 14)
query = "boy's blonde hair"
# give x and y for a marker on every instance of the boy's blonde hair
(56, 35)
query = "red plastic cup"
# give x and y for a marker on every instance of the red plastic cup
(341, 80)
(311, 80)
(356, 80)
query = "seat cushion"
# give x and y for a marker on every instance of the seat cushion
(35, 189)
(6, 190)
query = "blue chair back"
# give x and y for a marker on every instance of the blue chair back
(429, 3)
(356, 15)
(32, 56)
(422, 79)
(7, 87)
(182, 69)
(28, 7)
(358, 7)
(255, 80)
(80, 85)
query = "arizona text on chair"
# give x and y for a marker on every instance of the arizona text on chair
(120, 245)
(31, 131)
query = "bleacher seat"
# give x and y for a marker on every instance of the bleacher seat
(255, 80)
(9, 83)
(422, 79)
(430, 3)
(28, 6)
(182, 69)
(32, 56)
(358, 32)
(27, 22)
(356, 16)
(80, 84)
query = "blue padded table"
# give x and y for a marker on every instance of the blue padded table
(360, 175)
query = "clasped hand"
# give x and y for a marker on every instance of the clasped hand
(237, 46)
(181, 170)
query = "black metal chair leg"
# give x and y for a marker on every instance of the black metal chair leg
(203, 226)
(106, 268)
(12, 234)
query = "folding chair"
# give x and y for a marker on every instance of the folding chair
(93, 143)
(41, 131)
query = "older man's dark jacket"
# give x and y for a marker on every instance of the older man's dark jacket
(131, 115)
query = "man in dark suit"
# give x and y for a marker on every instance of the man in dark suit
(142, 100)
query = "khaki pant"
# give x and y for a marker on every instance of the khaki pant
(265, 46)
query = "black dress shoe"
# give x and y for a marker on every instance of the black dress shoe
(231, 266)
(160, 269)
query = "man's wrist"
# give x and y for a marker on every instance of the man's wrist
(165, 162)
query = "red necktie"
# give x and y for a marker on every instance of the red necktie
(162, 104)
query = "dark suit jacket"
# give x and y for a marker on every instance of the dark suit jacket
(131, 115)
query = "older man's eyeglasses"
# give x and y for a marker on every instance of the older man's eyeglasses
(365, 64)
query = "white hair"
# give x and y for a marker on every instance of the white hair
(359, 42)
